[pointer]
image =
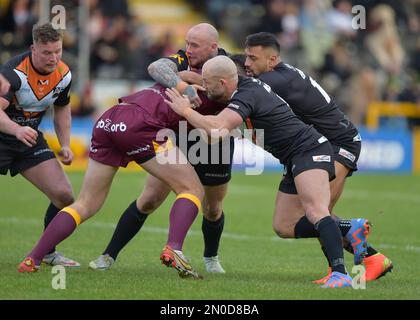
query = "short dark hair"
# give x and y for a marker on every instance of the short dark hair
(263, 39)
(239, 60)
(45, 33)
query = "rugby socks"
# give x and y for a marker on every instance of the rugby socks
(371, 251)
(49, 215)
(62, 226)
(212, 231)
(324, 251)
(183, 213)
(305, 229)
(128, 226)
(330, 236)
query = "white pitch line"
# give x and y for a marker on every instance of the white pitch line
(359, 194)
(382, 196)
(234, 236)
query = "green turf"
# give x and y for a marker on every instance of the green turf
(258, 264)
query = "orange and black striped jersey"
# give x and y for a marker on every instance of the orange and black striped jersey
(32, 93)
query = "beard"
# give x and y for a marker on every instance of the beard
(249, 73)
(214, 96)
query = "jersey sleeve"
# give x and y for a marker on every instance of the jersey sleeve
(242, 104)
(63, 98)
(181, 60)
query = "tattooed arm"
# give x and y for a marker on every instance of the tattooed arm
(164, 71)
(191, 77)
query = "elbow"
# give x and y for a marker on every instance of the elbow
(151, 69)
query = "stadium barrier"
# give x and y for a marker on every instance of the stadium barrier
(379, 109)
(382, 150)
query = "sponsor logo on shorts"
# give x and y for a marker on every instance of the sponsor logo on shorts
(42, 151)
(321, 158)
(322, 140)
(139, 150)
(93, 150)
(293, 167)
(346, 154)
(108, 126)
(357, 138)
(217, 175)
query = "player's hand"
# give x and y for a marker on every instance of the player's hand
(191, 92)
(66, 156)
(178, 103)
(199, 88)
(4, 85)
(27, 135)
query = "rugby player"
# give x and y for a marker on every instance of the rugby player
(314, 106)
(201, 45)
(38, 79)
(297, 145)
(124, 133)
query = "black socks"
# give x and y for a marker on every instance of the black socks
(212, 231)
(330, 235)
(128, 226)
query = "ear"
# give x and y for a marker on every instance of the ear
(272, 61)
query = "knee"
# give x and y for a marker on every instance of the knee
(63, 197)
(149, 205)
(315, 213)
(284, 231)
(212, 210)
(197, 190)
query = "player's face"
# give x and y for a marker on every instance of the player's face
(258, 60)
(199, 49)
(214, 88)
(45, 56)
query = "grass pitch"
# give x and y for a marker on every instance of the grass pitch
(259, 265)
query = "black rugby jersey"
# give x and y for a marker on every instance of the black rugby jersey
(309, 101)
(284, 133)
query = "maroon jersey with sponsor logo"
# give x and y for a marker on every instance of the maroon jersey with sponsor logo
(151, 100)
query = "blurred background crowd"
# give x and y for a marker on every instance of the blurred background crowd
(380, 62)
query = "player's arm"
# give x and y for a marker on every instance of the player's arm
(218, 126)
(25, 134)
(62, 125)
(4, 85)
(10, 82)
(191, 77)
(164, 71)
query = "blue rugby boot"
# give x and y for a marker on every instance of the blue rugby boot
(338, 280)
(357, 236)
